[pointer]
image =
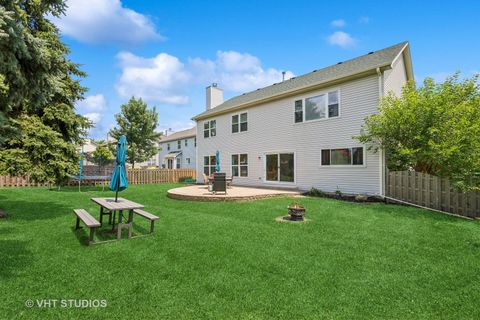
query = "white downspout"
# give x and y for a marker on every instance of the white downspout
(381, 151)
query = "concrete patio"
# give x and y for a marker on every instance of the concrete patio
(234, 193)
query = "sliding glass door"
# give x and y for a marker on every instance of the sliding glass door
(280, 167)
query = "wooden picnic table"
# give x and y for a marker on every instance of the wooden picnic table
(112, 207)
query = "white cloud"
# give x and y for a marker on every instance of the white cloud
(105, 21)
(92, 103)
(165, 79)
(339, 23)
(342, 39)
(162, 78)
(239, 72)
(93, 116)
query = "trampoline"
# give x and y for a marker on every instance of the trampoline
(81, 178)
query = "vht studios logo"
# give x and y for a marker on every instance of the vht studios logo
(66, 303)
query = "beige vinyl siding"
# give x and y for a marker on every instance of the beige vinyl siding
(396, 77)
(271, 128)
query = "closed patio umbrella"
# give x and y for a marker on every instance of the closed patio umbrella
(217, 161)
(119, 180)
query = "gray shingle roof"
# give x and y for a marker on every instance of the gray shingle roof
(372, 60)
(180, 135)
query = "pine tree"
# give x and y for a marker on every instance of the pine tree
(39, 87)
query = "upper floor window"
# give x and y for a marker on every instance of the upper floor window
(168, 146)
(186, 142)
(239, 122)
(318, 107)
(179, 144)
(298, 111)
(209, 128)
(195, 141)
(342, 157)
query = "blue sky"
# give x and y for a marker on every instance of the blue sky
(167, 52)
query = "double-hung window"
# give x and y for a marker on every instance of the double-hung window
(168, 146)
(322, 106)
(209, 128)
(240, 122)
(342, 157)
(179, 144)
(209, 165)
(240, 165)
(298, 111)
(186, 142)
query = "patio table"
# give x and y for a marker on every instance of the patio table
(120, 205)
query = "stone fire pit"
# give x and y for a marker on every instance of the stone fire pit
(296, 213)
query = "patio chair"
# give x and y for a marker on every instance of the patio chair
(219, 183)
(206, 180)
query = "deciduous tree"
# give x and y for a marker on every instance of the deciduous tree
(433, 129)
(139, 125)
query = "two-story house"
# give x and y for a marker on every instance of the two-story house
(178, 150)
(299, 133)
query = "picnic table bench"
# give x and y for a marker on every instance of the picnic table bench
(148, 216)
(88, 220)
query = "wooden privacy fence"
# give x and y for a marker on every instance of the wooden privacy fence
(10, 181)
(432, 192)
(141, 176)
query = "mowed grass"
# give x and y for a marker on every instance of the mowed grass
(233, 261)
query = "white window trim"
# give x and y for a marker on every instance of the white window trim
(278, 182)
(314, 95)
(349, 166)
(231, 122)
(231, 165)
(179, 144)
(203, 163)
(209, 129)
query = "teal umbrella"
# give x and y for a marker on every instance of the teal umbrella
(119, 180)
(217, 162)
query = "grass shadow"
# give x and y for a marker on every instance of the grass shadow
(104, 234)
(34, 210)
(14, 257)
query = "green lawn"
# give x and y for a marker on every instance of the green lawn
(233, 261)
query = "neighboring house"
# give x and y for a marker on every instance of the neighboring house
(178, 150)
(89, 146)
(299, 133)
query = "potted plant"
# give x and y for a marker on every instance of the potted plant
(296, 211)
